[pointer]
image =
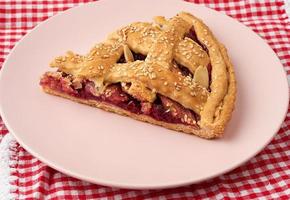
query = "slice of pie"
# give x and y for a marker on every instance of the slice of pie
(172, 72)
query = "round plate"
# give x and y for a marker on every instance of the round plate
(113, 150)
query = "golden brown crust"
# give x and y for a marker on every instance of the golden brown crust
(145, 118)
(174, 90)
(159, 45)
(228, 103)
(163, 44)
(220, 103)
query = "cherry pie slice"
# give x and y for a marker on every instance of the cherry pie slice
(172, 73)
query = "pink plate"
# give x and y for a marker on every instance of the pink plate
(108, 149)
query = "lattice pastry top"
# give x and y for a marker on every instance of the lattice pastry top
(183, 62)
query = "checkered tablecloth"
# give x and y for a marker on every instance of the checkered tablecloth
(266, 176)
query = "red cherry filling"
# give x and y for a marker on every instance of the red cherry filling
(192, 35)
(137, 56)
(162, 109)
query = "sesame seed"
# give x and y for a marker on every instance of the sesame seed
(153, 76)
(193, 94)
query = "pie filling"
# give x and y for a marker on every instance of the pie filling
(137, 56)
(184, 70)
(162, 109)
(192, 35)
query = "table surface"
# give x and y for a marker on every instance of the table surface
(4, 171)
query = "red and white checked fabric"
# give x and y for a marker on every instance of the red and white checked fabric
(266, 176)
